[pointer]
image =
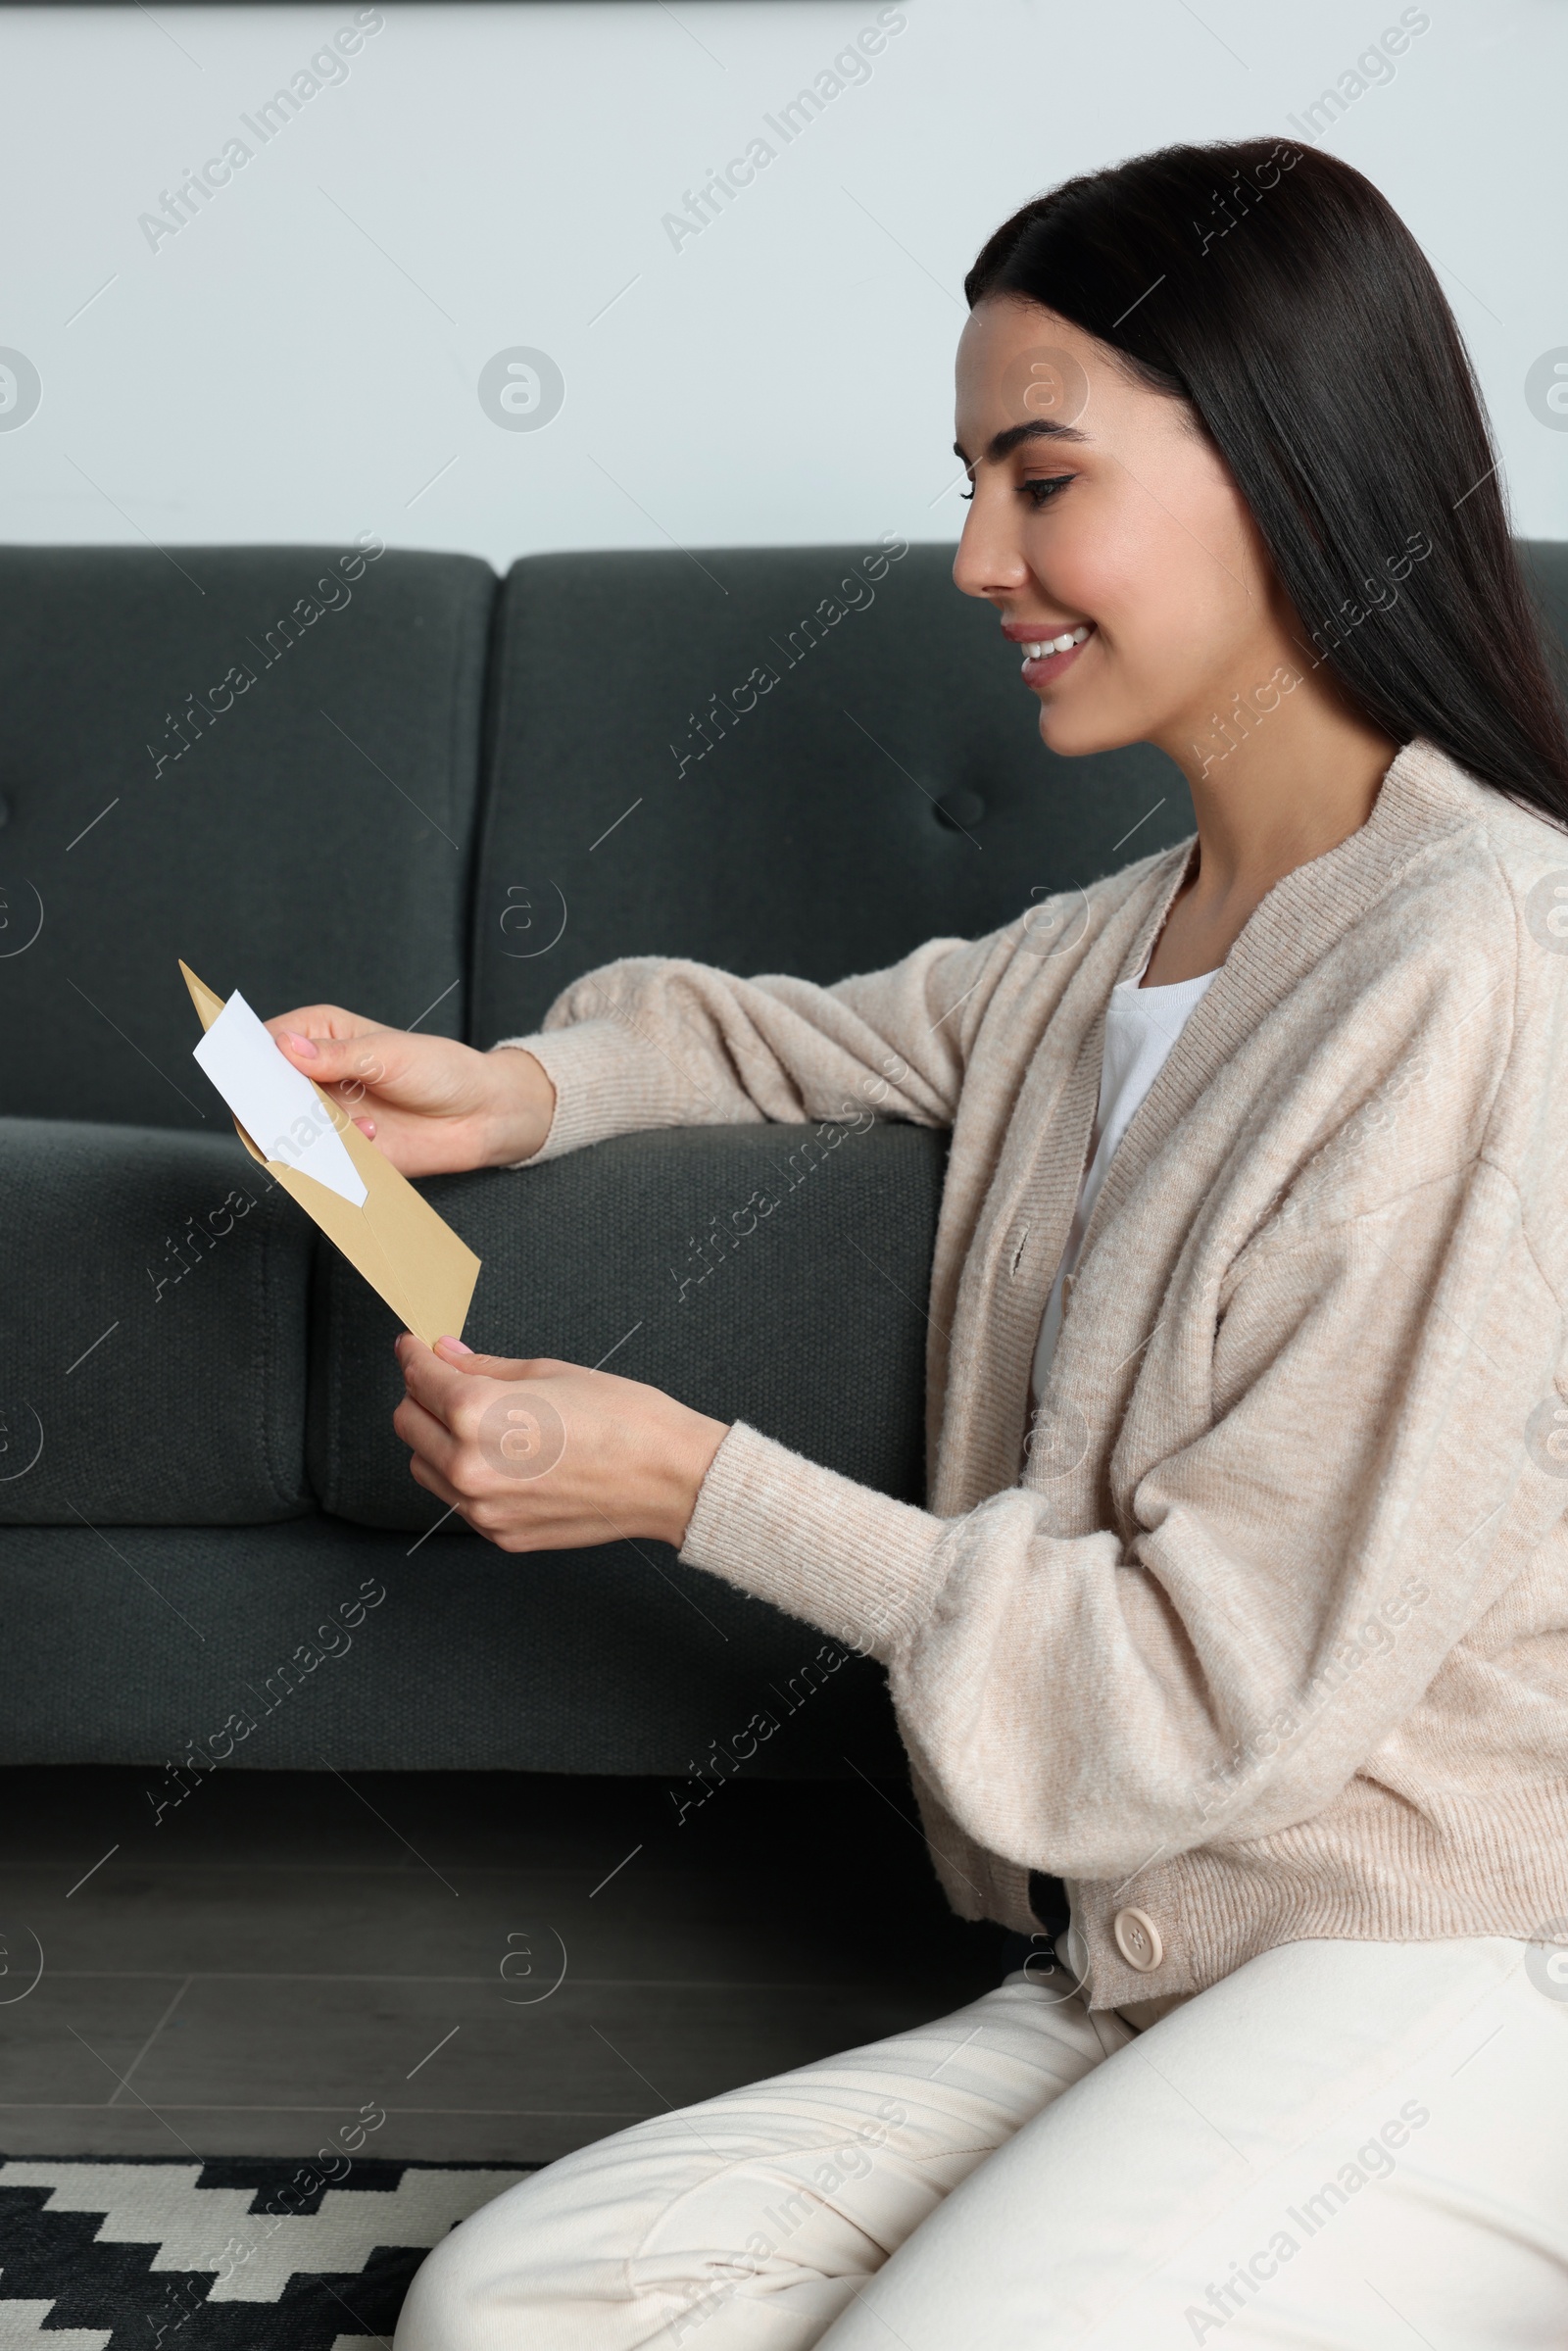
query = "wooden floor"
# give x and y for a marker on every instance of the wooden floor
(505, 1966)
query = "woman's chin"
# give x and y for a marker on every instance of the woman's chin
(1073, 734)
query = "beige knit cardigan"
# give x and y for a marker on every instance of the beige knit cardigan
(1261, 1629)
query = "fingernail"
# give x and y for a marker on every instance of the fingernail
(456, 1345)
(302, 1045)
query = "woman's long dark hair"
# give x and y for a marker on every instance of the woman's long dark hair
(1274, 288)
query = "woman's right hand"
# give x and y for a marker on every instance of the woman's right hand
(432, 1106)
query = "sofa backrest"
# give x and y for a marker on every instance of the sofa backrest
(803, 760)
(267, 761)
(1545, 566)
(263, 760)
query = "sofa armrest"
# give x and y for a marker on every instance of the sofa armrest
(153, 1319)
(775, 1274)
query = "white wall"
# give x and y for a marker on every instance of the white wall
(301, 361)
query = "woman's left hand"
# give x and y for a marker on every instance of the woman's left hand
(546, 1456)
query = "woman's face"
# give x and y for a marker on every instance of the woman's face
(1101, 512)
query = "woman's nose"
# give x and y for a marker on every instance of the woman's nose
(989, 562)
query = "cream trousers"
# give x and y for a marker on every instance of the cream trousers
(1342, 2146)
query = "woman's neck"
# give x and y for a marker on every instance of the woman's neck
(1300, 783)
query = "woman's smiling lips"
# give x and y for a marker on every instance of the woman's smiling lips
(1047, 652)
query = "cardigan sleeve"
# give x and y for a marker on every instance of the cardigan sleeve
(658, 1042)
(1284, 1589)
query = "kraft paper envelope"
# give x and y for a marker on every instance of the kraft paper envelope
(409, 1254)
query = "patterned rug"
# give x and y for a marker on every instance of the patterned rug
(230, 2255)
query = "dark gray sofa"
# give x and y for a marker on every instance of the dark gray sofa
(408, 787)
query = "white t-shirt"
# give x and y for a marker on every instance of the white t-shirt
(1142, 1024)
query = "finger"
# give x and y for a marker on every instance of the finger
(472, 1512)
(501, 1367)
(425, 1436)
(321, 1020)
(434, 1482)
(352, 1062)
(432, 1382)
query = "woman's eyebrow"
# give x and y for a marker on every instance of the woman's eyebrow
(1039, 428)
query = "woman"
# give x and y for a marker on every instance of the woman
(1242, 1598)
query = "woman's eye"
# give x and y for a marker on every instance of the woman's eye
(1039, 492)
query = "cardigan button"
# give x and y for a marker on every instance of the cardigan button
(1137, 1940)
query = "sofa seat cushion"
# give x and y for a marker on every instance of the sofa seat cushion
(153, 1330)
(318, 1645)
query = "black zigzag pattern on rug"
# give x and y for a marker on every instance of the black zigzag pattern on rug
(143, 2254)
